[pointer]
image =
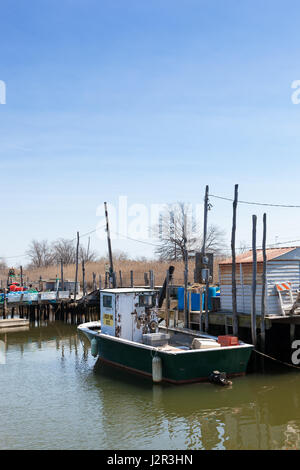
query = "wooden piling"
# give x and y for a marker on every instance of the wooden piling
(254, 271)
(151, 276)
(234, 301)
(62, 275)
(264, 283)
(167, 310)
(83, 278)
(186, 274)
(76, 270)
(131, 278)
(21, 276)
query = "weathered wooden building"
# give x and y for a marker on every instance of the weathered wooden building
(283, 266)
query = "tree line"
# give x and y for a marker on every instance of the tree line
(176, 231)
(44, 254)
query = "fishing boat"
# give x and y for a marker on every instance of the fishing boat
(130, 336)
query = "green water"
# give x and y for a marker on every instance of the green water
(55, 396)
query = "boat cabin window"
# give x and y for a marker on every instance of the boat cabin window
(107, 301)
(146, 301)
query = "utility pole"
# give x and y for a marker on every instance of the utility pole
(111, 267)
(204, 258)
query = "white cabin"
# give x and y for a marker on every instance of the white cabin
(128, 313)
(283, 266)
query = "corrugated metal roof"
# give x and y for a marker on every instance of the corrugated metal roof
(271, 253)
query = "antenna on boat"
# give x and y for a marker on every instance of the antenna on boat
(111, 267)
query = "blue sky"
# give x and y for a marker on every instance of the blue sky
(152, 100)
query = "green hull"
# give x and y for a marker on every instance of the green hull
(183, 367)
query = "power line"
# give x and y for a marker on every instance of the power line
(134, 239)
(89, 233)
(255, 203)
(25, 255)
(270, 245)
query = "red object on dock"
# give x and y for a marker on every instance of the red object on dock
(228, 340)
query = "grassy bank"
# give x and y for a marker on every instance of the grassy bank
(125, 266)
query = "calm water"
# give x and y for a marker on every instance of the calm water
(55, 396)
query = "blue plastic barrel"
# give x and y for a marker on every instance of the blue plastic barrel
(195, 298)
(195, 301)
(180, 298)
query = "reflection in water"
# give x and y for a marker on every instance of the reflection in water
(58, 396)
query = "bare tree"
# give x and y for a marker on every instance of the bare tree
(175, 224)
(64, 250)
(120, 255)
(86, 254)
(243, 247)
(40, 254)
(215, 241)
(3, 264)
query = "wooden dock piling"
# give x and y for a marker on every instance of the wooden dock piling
(234, 301)
(254, 271)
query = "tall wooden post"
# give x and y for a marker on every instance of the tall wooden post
(186, 275)
(76, 270)
(131, 278)
(21, 275)
(205, 221)
(100, 282)
(233, 282)
(83, 278)
(5, 304)
(94, 282)
(111, 267)
(151, 276)
(254, 271)
(167, 299)
(264, 285)
(62, 275)
(203, 253)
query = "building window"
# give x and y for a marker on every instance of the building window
(107, 301)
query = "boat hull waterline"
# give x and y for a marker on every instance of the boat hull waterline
(177, 367)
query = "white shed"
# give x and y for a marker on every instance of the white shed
(283, 266)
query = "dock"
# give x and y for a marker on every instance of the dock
(13, 323)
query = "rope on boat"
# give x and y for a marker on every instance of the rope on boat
(276, 360)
